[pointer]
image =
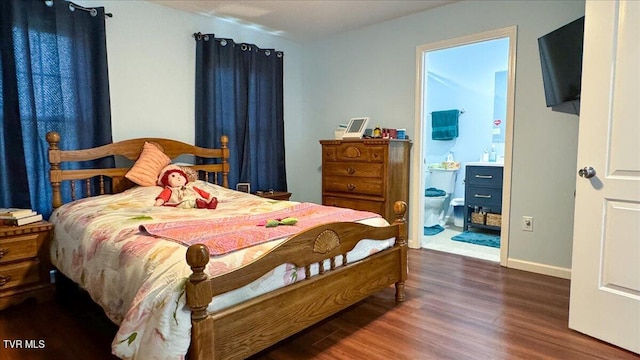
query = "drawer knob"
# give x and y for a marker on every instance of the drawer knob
(351, 187)
(3, 252)
(351, 170)
(4, 279)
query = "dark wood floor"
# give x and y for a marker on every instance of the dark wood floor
(456, 308)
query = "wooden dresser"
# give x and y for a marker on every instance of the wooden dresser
(24, 263)
(369, 174)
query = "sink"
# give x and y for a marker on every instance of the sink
(483, 163)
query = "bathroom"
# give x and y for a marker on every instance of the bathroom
(471, 79)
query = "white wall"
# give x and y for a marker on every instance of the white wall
(371, 72)
(151, 54)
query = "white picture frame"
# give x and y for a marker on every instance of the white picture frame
(356, 128)
(244, 187)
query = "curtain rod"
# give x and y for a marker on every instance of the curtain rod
(201, 36)
(74, 6)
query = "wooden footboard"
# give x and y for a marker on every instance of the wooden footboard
(242, 330)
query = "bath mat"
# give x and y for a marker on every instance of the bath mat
(478, 238)
(432, 230)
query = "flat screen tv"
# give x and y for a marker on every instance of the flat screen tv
(561, 58)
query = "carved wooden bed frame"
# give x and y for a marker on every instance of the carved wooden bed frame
(241, 330)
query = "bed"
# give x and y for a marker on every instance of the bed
(173, 299)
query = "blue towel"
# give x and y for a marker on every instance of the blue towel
(444, 124)
(433, 192)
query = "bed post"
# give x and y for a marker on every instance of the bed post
(224, 141)
(198, 295)
(55, 175)
(400, 209)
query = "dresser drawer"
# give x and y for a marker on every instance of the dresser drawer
(20, 273)
(483, 196)
(484, 176)
(353, 169)
(25, 264)
(355, 151)
(19, 247)
(353, 185)
(364, 205)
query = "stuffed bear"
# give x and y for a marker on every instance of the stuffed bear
(179, 192)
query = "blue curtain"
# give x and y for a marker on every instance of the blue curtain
(53, 63)
(239, 93)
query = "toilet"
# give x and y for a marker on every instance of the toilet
(440, 184)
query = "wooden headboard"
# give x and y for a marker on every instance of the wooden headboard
(129, 149)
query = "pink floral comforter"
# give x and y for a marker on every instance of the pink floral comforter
(139, 279)
(233, 233)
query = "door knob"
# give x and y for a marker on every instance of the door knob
(587, 172)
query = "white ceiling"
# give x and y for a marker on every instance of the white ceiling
(305, 20)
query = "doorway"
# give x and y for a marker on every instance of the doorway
(447, 80)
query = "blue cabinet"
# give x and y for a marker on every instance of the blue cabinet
(482, 194)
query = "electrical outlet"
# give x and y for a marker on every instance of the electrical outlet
(527, 223)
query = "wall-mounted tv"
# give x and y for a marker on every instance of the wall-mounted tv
(561, 58)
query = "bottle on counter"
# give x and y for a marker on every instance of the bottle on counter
(450, 157)
(377, 133)
(492, 154)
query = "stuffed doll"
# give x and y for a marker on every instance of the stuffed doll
(179, 192)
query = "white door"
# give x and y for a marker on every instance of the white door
(605, 277)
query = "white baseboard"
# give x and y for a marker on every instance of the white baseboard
(563, 273)
(537, 268)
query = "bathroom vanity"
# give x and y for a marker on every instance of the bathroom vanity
(483, 194)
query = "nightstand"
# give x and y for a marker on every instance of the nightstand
(275, 195)
(25, 263)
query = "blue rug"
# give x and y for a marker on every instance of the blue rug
(432, 230)
(478, 238)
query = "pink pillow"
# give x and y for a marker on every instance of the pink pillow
(148, 166)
